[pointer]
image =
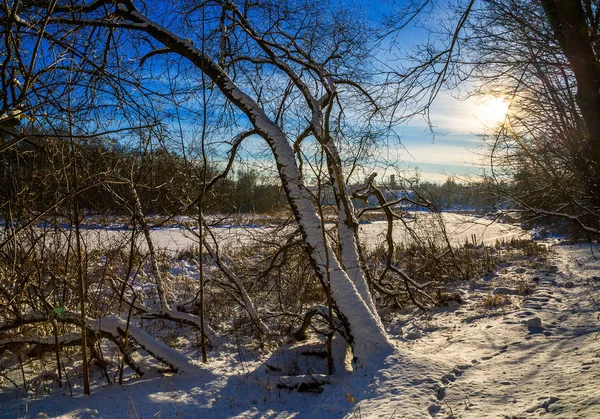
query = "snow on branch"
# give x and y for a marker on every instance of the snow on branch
(115, 328)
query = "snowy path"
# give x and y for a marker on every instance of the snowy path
(500, 368)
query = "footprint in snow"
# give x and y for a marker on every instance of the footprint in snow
(542, 403)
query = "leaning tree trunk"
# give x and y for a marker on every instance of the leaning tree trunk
(367, 335)
(347, 227)
(364, 328)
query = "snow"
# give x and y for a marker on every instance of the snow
(160, 350)
(498, 367)
(470, 360)
(460, 228)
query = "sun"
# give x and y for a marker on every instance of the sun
(492, 111)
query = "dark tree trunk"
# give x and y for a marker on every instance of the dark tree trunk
(568, 22)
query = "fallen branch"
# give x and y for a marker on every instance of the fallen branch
(114, 328)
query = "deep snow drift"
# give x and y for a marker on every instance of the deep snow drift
(476, 360)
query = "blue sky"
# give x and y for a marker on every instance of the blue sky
(457, 146)
(456, 149)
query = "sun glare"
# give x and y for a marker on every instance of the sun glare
(492, 111)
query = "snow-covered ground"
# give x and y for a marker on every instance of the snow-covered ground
(459, 227)
(497, 366)
(468, 361)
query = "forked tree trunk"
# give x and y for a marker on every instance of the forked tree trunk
(349, 292)
(348, 228)
(368, 337)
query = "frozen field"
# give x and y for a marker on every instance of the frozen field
(459, 228)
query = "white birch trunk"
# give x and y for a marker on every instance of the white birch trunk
(116, 328)
(369, 336)
(348, 228)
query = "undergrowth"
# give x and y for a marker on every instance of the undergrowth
(435, 266)
(278, 279)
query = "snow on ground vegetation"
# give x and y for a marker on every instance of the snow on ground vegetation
(459, 228)
(522, 342)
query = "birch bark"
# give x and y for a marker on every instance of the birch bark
(368, 337)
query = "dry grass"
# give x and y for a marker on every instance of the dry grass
(491, 301)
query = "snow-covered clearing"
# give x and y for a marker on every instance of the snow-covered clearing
(460, 229)
(470, 361)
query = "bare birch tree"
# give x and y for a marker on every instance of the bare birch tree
(288, 71)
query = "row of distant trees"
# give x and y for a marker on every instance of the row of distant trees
(458, 196)
(33, 178)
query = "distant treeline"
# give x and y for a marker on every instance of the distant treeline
(47, 174)
(452, 195)
(449, 196)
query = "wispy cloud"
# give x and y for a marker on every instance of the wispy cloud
(454, 147)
